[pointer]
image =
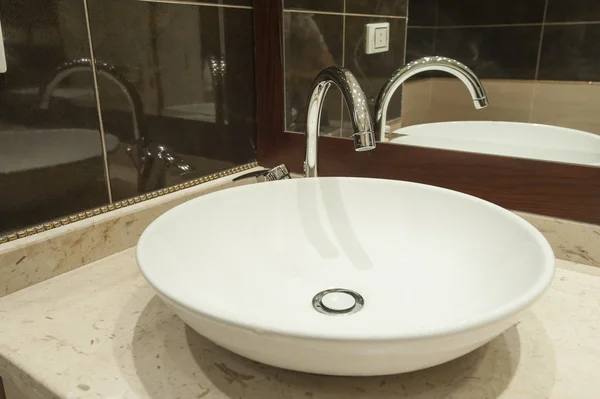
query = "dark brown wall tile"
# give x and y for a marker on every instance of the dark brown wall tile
(166, 51)
(383, 7)
(315, 5)
(489, 12)
(420, 42)
(53, 165)
(493, 53)
(573, 10)
(571, 52)
(312, 42)
(422, 12)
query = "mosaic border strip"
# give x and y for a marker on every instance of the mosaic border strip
(121, 204)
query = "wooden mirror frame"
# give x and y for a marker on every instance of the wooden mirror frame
(546, 188)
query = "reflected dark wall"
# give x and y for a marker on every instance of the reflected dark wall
(510, 39)
(52, 161)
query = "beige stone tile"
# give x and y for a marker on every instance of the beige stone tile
(449, 100)
(574, 105)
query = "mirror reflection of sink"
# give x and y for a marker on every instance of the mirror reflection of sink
(345, 276)
(513, 139)
(39, 166)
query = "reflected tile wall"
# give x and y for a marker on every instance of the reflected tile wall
(192, 68)
(571, 52)
(51, 160)
(489, 12)
(510, 39)
(190, 65)
(318, 34)
(312, 42)
(535, 59)
(573, 10)
(492, 52)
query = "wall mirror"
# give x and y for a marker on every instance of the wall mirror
(538, 61)
(534, 149)
(171, 99)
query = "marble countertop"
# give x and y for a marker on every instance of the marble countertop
(100, 332)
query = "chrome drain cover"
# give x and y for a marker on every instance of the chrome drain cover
(338, 301)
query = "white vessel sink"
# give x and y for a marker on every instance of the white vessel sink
(513, 139)
(441, 273)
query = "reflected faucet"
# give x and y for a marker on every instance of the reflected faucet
(144, 154)
(453, 67)
(364, 139)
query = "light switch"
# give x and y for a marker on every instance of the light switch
(2, 56)
(377, 38)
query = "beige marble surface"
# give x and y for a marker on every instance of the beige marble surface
(100, 332)
(33, 259)
(572, 241)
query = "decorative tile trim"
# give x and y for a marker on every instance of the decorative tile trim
(121, 204)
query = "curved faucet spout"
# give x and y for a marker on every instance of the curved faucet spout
(144, 154)
(362, 124)
(85, 65)
(443, 64)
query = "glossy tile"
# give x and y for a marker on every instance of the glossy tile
(373, 70)
(422, 12)
(573, 11)
(498, 53)
(571, 52)
(51, 161)
(192, 70)
(397, 8)
(489, 12)
(420, 42)
(315, 5)
(312, 42)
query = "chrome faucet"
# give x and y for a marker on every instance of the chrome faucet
(453, 67)
(153, 173)
(144, 154)
(364, 139)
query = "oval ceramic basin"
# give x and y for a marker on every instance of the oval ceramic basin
(441, 273)
(512, 139)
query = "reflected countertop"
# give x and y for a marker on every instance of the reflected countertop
(101, 332)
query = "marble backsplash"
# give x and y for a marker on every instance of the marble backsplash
(572, 241)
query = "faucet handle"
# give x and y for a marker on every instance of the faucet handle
(280, 172)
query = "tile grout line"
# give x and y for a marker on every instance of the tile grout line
(539, 54)
(98, 105)
(335, 13)
(533, 24)
(406, 31)
(196, 3)
(537, 64)
(341, 134)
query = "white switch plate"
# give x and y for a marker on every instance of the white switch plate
(2, 56)
(378, 38)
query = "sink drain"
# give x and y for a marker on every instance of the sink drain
(338, 301)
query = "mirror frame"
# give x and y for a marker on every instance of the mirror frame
(547, 188)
